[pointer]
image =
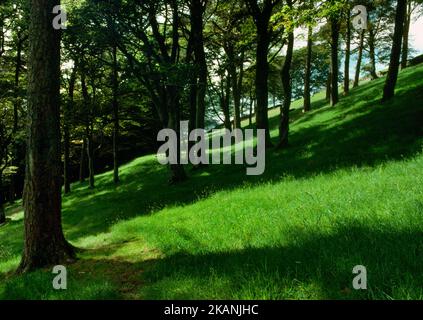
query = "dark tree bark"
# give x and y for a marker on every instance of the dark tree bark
(372, 53)
(18, 66)
(262, 75)
(2, 211)
(328, 85)
(44, 242)
(347, 56)
(66, 131)
(261, 15)
(88, 131)
(307, 77)
(82, 160)
(391, 79)
(335, 27)
(90, 156)
(287, 89)
(225, 92)
(115, 105)
(404, 57)
(177, 170)
(197, 9)
(252, 101)
(359, 59)
(16, 105)
(236, 82)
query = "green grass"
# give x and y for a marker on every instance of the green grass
(348, 191)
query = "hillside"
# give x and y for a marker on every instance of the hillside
(348, 191)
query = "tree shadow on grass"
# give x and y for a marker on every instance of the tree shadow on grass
(308, 266)
(313, 266)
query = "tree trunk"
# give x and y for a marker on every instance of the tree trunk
(262, 75)
(2, 211)
(225, 103)
(18, 67)
(66, 157)
(307, 77)
(197, 13)
(235, 86)
(115, 104)
(359, 59)
(90, 156)
(391, 79)
(328, 86)
(88, 131)
(44, 242)
(347, 56)
(404, 57)
(177, 170)
(372, 53)
(250, 114)
(66, 131)
(287, 89)
(334, 94)
(82, 160)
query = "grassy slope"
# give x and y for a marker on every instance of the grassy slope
(347, 192)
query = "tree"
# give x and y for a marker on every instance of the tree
(197, 9)
(159, 68)
(286, 84)
(347, 53)
(334, 65)
(391, 79)
(44, 242)
(261, 11)
(359, 59)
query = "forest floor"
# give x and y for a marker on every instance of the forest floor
(348, 191)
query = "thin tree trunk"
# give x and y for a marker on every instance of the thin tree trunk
(328, 86)
(372, 53)
(347, 56)
(404, 57)
(391, 79)
(88, 132)
(90, 156)
(177, 170)
(16, 106)
(307, 77)
(334, 94)
(225, 103)
(44, 242)
(2, 211)
(115, 117)
(66, 131)
(287, 89)
(235, 88)
(250, 114)
(82, 160)
(197, 13)
(262, 75)
(18, 67)
(359, 59)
